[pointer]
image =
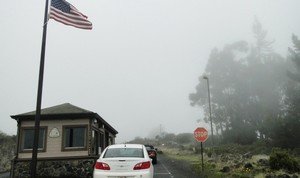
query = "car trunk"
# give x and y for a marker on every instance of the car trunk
(122, 164)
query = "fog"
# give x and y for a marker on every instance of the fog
(138, 65)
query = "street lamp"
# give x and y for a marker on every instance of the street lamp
(211, 127)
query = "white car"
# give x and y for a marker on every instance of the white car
(124, 161)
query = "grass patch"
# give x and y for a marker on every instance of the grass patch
(232, 157)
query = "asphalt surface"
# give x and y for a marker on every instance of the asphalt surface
(165, 168)
(4, 175)
(169, 168)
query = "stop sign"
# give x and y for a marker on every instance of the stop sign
(201, 134)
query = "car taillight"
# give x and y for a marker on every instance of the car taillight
(143, 165)
(102, 166)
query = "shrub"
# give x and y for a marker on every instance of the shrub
(281, 159)
(209, 153)
(242, 134)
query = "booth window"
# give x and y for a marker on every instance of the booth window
(74, 137)
(27, 136)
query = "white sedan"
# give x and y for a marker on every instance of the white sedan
(124, 161)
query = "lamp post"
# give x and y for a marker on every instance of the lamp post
(211, 127)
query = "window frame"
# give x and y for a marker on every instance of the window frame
(64, 148)
(21, 144)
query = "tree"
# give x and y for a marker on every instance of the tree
(224, 70)
(265, 82)
(285, 132)
(263, 47)
(7, 148)
(293, 86)
(184, 138)
(295, 58)
(246, 83)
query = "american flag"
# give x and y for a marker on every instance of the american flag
(66, 13)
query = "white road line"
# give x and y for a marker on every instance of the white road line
(168, 172)
(161, 173)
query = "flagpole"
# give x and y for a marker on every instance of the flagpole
(39, 97)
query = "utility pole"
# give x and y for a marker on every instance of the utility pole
(211, 127)
(39, 98)
(160, 130)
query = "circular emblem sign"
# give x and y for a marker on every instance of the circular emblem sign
(54, 133)
(201, 134)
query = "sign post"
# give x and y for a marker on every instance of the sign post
(201, 135)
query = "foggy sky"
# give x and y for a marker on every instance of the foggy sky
(137, 66)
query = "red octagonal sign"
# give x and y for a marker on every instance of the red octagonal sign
(201, 134)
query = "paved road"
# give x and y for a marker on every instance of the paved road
(4, 175)
(168, 168)
(165, 168)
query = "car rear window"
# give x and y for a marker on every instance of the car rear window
(124, 152)
(149, 147)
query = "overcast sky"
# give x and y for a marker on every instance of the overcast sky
(137, 66)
